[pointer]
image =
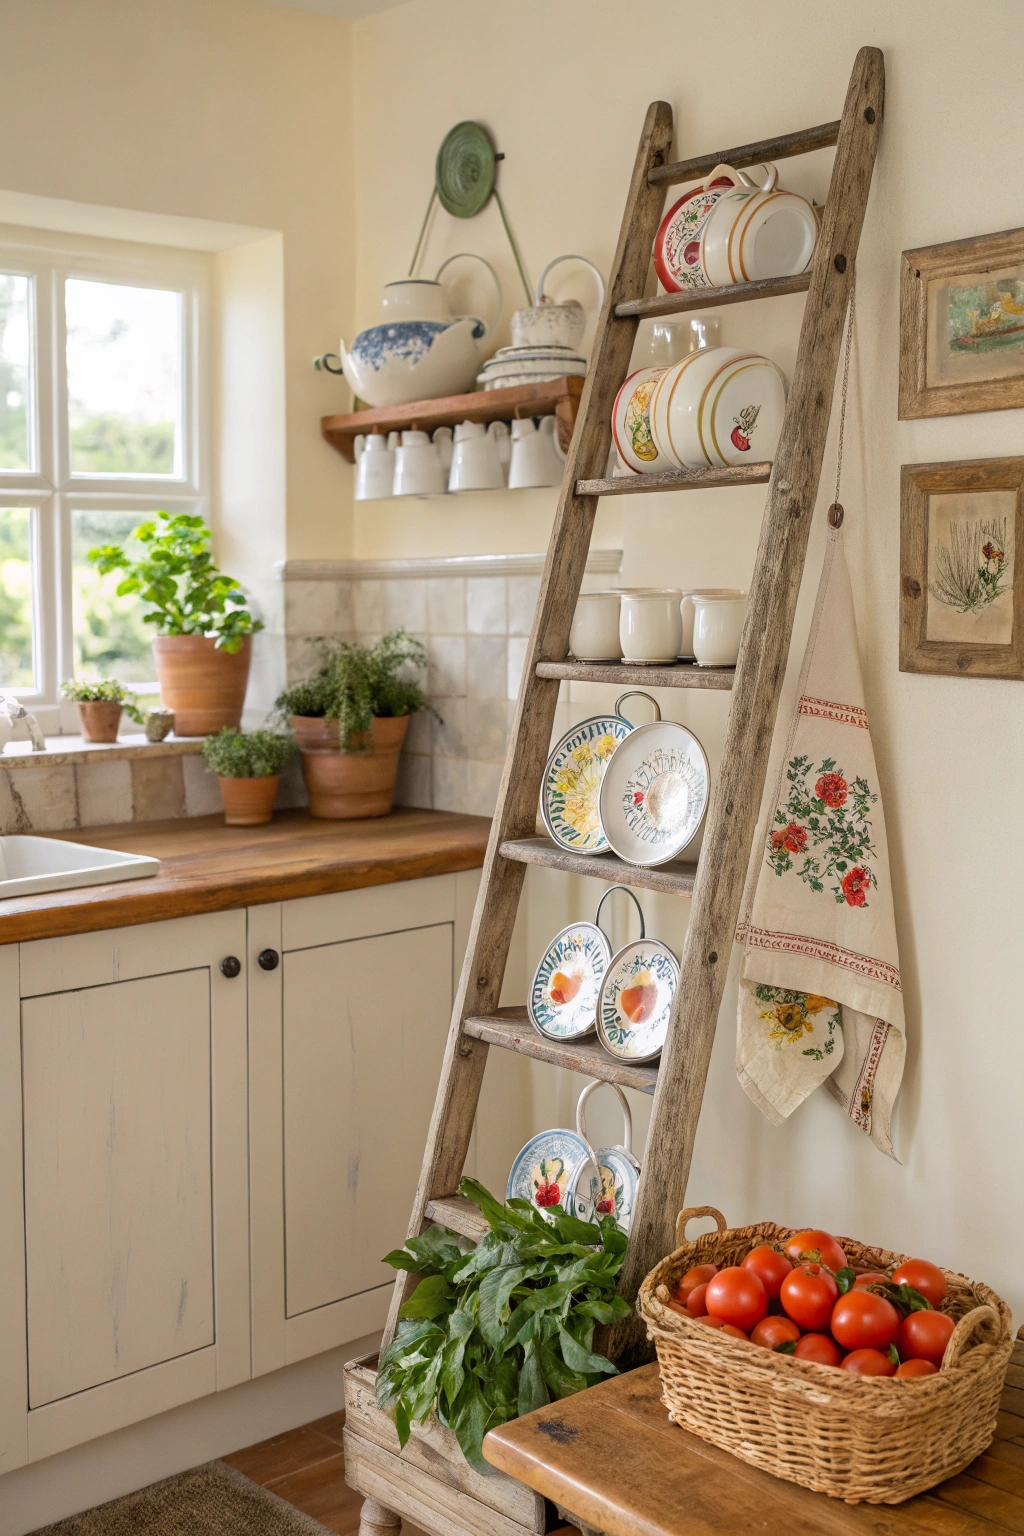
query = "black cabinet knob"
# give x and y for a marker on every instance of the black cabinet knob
(231, 966)
(268, 959)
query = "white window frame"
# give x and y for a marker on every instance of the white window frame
(49, 488)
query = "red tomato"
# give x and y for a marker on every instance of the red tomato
(712, 1322)
(695, 1303)
(861, 1320)
(736, 1296)
(829, 1251)
(924, 1336)
(868, 1362)
(924, 1277)
(912, 1368)
(700, 1274)
(735, 1333)
(872, 1278)
(774, 1330)
(819, 1348)
(677, 1306)
(770, 1267)
(808, 1294)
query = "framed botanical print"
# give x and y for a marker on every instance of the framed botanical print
(962, 326)
(962, 568)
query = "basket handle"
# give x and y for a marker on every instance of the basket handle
(700, 1210)
(965, 1330)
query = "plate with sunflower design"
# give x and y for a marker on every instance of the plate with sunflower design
(654, 793)
(635, 1000)
(543, 1168)
(571, 786)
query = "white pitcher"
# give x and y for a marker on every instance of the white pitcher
(536, 457)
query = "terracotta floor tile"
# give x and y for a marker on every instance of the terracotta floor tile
(321, 1491)
(283, 1455)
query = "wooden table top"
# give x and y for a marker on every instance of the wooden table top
(208, 867)
(611, 1457)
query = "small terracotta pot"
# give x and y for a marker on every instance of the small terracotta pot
(346, 785)
(204, 686)
(248, 802)
(100, 720)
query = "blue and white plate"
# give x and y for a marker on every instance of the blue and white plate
(571, 786)
(609, 1189)
(563, 997)
(542, 1170)
(635, 1000)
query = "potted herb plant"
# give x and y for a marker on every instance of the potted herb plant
(100, 702)
(204, 645)
(248, 767)
(496, 1332)
(350, 720)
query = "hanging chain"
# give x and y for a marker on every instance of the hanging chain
(835, 511)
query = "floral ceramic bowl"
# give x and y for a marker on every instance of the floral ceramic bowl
(718, 407)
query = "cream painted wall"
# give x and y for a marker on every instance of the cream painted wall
(564, 89)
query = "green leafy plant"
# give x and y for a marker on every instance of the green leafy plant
(502, 1329)
(247, 754)
(177, 576)
(357, 682)
(103, 690)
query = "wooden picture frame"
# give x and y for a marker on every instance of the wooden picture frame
(961, 331)
(962, 568)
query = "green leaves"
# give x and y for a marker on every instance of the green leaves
(845, 1276)
(359, 683)
(247, 754)
(505, 1328)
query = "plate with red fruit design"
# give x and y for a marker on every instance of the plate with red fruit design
(636, 1000)
(542, 1170)
(562, 1003)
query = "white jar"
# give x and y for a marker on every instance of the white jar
(375, 468)
(686, 608)
(594, 635)
(717, 627)
(650, 626)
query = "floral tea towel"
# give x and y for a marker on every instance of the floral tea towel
(820, 998)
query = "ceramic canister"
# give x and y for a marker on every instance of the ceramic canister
(375, 469)
(650, 626)
(686, 609)
(476, 460)
(718, 407)
(594, 635)
(418, 469)
(717, 627)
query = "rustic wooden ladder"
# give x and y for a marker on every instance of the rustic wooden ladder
(715, 884)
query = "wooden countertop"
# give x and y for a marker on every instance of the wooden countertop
(208, 867)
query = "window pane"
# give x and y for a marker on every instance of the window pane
(110, 637)
(15, 382)
(124, 379)
(15, 598)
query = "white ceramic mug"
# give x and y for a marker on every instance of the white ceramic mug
(418, 469)
(536, 457)
(375, 468)
(594, 635)
(650, 626)
(755, 233)
(476, 462)
(444, 446)
(717, 627)
(686, 609)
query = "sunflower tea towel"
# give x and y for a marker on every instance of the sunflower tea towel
(820, 998)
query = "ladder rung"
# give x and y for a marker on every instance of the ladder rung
(780, 148)
(711, 298)
(685, 675)
(510, 1028)
(459, 1215)
(677, 480)
(675, 879)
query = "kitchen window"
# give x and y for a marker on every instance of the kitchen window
(102, 395)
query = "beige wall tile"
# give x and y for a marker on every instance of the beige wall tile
(418, 736)
(13, 815)
(158, 788)
(446, 670)
(449, 793)
(486, 667)
(368, 606)
(414, 785)
(481, 791)
(486, 605)
(105, 792)
(318, 607)
(405, 606)
(202, 791)
(449, 733)
(303, 656)
(446, 605)
(42, 799)
(523, 592)
(516, 660)
(486, 729)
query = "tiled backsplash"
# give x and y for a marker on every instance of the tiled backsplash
(473, 614)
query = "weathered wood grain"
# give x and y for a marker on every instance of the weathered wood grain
(458, 1215)
(425, 1498)
(512, 1031)
(780, 147)
(676, 480)
(685, 675)
(713, 298)
(675, 879)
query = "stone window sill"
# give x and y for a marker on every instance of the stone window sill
(62, 750)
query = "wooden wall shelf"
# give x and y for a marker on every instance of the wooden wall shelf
(559, 395)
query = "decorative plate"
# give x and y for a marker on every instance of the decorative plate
(542, 1170)
(654, 793)
(572, 782)
(636, 999)
(607, 1190)
(563, 998)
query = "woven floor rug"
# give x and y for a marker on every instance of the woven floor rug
(212, 1500)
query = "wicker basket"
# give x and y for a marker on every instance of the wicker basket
(857, 1438)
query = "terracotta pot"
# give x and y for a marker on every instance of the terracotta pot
(100, 720)
(248, 802)
(345, 785)
(313, 734)
(204, 686)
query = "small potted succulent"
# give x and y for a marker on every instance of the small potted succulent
(350, 720)
(204, 644)
(100, 701)
(248, 767)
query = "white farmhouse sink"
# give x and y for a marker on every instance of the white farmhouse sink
(29, 865)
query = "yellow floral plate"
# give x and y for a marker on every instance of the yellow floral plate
(571, 787)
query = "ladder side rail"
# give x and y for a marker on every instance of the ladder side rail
(501, 882)
(781, 147)
(736, 798)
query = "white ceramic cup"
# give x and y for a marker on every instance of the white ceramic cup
(594, 635)
(536, 457)
(476, 461)
(418, 469)
(650, 626)
(375, 469)
(444, 446)
(686, 609)
(717, 627)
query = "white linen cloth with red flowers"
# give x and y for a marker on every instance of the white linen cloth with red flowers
(820, 998)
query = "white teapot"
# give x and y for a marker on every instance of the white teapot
(420, 350)
(546, 323)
